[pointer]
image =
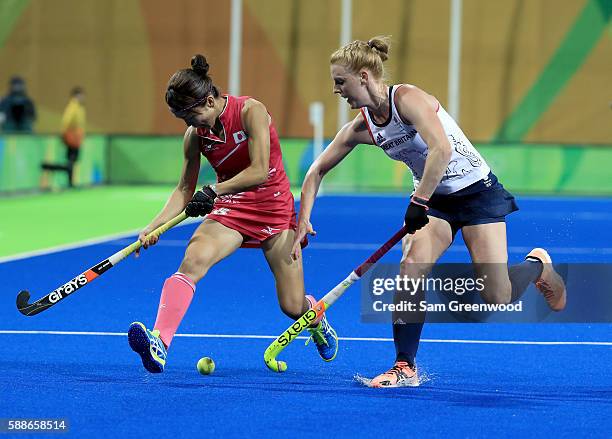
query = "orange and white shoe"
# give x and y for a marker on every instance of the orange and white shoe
(400, 375)
(550, 284)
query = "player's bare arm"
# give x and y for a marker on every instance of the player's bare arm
(256, 121)
(418, 107)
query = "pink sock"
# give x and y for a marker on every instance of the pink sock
(313, 302)
(175, 299)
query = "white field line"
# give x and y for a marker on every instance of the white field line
(118, 237)
(120, 241)
(375, 246)
(366, 339)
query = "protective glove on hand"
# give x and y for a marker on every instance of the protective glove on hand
(416, 214)
(202, 202)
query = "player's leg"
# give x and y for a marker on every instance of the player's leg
(503, 284)
(289, 277)
(488, 249)
(420, 252)
(288, 274)
(210, 243)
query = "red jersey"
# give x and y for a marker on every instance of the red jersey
(261, 211)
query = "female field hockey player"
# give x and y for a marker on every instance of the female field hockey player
(454, 189)
(250, 205)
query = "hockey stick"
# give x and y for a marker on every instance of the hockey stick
(60, 293)
(322, 305)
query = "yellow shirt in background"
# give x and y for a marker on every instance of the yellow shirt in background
(73, 123)
(74, 116)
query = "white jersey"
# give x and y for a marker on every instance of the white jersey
(402, 142)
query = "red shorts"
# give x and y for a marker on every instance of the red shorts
(256, 219)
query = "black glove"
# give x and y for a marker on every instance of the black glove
(416, 214)
(202, 202)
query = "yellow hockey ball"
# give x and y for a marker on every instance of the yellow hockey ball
(206, 366)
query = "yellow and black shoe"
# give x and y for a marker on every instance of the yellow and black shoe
(325, 338)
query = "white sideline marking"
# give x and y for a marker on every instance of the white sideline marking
(118, 237)
(120, 240)
(272, 337)
(374, 246)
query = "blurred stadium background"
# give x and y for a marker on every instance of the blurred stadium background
(534, 85)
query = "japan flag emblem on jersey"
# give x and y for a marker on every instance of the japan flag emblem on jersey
(240, 137)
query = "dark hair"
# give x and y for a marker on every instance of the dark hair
(188, 87)
(76, 91)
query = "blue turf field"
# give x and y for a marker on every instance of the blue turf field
(475, 389)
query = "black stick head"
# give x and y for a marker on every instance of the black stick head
(30, 309)
(22, 302)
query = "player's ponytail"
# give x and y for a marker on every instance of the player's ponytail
(200, 66)
(380, 45)
(188, 88)
(364, 54)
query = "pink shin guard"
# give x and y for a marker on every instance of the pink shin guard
(175, 299)
(313, 302)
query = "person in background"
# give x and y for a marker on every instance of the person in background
(17, 110)
(73, 134)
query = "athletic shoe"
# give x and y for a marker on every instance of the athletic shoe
(550, 284)
(401, 374)
(325, 338)
(149, 346)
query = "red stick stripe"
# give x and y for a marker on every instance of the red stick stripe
(90, 275)
(363, 268)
